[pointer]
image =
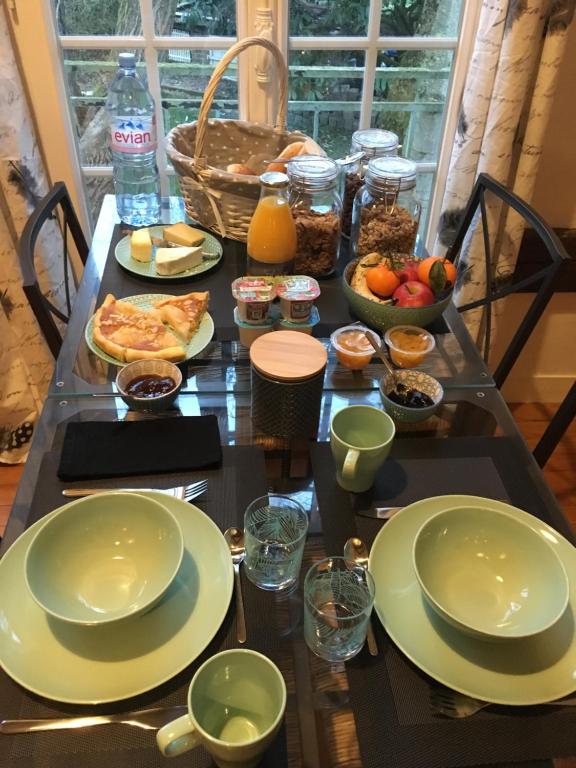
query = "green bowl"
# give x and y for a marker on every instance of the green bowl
(489, 574)
(104, 558)
(384, 316)
(411, 379)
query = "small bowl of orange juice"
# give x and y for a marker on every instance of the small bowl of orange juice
(408, 345)
(351, 346)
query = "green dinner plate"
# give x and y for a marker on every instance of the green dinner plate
(93, 665)
(197, 343)
(513, 672)
(211, 247)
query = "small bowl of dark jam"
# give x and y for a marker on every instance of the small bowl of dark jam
(412, 396)
(149, 385)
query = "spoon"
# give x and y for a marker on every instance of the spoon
(235, 540)
(374, 341)
(356, 551)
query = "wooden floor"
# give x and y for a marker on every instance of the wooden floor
(532, 418)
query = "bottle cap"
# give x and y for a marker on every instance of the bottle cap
(274, 179)
(127, 60)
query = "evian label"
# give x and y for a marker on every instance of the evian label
(133, 134)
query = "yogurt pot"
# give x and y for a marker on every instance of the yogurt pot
(249, 332)
(297, 294)
(253, 297)
(352, 348)
(286, 325)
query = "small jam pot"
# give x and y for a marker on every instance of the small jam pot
(297, 295)
(352, 347)
(253, 296)
(408, 345)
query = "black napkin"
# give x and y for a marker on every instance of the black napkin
(94, 449)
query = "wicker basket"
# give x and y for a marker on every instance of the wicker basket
(220, 201)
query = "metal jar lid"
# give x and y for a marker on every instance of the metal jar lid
(386, 173)
(374, 142)
(311, 173)
(288, 356)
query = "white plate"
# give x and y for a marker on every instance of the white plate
(211, 247)
(198, 342)
(514, 672)
(93, 665)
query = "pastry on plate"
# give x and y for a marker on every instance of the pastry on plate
(184, 313)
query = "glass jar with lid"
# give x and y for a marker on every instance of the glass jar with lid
(271, 240)
(386, 211)
(316, 208)
(366, 144)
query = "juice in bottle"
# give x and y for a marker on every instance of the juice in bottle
(271, 242)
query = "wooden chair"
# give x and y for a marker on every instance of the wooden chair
(542, 279)
(55, 205)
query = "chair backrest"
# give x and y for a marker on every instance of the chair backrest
(544, 278)
(558, 425)
(55, 205)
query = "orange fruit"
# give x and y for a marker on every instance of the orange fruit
(426, 265)
(382, 281)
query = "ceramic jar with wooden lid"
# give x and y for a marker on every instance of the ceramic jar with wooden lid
(287, 371)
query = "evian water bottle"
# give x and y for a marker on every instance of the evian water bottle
(133, 143)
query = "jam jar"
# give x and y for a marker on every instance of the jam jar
(366, 144)
(316, 209)
(386, 211)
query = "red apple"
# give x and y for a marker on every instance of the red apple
(413, 294)
(408, 271)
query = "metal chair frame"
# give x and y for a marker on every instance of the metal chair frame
(57, 200)
(545, 276)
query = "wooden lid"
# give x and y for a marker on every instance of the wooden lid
(288, 355)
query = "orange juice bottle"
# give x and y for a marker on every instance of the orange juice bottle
(271, 243)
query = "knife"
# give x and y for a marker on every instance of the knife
(148, 719)
(382, 513)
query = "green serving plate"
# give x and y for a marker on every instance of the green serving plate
(93, 665)
(211, 247)
(518, 672)
(197, 343)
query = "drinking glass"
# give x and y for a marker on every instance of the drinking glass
(275, 530)
(338, 599)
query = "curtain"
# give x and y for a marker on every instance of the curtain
(25, 361)
(502, 125)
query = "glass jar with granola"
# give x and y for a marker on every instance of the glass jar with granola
(366, 144)
(316, 209)
(386, 211)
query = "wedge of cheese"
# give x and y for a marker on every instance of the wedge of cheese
(141, 245)
(182, 234)
(171, 261)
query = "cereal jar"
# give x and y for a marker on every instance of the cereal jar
(386, 211)
(316, 209)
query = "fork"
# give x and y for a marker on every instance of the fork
(183, 492)
(445, 701)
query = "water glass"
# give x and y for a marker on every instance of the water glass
(338, 599)
(275, 530)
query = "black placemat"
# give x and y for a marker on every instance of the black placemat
(389, 695)
(230, 489)
(332, 304)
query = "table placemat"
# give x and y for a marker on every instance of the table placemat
(389, 695)
(332, 305)
(230, 489)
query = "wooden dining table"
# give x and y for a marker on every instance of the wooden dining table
(373, 711)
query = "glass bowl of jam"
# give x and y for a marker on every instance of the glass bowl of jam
(351, 346)
(408, 345)
(410, 395)
(149, 385)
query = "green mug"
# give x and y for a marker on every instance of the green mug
(236, 702)
(360, 437)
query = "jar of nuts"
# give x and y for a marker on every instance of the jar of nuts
(316, 210)
(386, 211)
(366, 144)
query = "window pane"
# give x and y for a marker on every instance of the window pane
(312, 18)
(324, 92)
(88, 74)
(409, 97)
(98, 17)
(97, 187)
(182, 87)
(420, 18)
(201, 18)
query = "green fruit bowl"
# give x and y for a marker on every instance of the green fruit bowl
(384, 316)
